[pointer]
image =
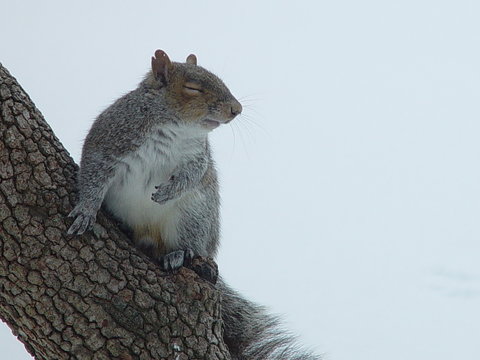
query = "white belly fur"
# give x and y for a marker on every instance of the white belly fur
(129, 196)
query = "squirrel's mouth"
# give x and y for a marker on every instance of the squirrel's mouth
(211, 124)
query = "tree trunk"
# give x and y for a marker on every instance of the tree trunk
(93, 296)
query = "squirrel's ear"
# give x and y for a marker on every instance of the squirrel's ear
(160, 66)
(192, 59)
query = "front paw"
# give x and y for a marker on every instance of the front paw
(84, 221)
(163, 193)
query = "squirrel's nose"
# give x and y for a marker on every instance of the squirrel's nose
(236, 109)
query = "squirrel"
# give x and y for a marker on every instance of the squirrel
(147, 160)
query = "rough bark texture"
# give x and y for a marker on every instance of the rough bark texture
(92, 296)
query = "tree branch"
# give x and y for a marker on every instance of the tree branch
(90, 296)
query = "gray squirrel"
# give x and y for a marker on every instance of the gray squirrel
(147, 160)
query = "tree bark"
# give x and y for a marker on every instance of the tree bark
(93, 296)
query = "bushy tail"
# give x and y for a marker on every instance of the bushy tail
(252, 334)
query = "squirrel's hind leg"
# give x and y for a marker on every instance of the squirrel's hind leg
(154, 247)
(175, 260)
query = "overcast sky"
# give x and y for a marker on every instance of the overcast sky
(351, 184)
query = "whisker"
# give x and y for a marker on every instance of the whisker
(251, 108)
(243, 141)
(249, 132)
(250, 98)
(234, 141)
(249, 101)
(251, 121)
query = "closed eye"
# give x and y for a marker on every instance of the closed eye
(192, 89)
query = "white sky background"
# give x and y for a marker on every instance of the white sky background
(351, 184)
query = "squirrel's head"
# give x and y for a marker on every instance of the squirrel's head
(195, 95)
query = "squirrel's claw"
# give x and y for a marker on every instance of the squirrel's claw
(176, 259)
(81, 224)
(162, 194)
(84, 219)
